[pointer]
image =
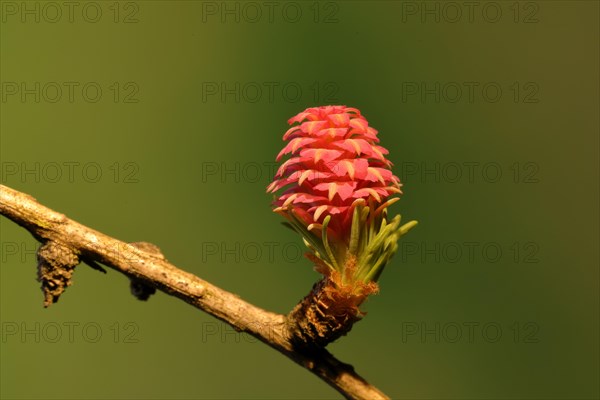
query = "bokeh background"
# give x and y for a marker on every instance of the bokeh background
(159, 121)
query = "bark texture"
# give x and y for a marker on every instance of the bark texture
(65, 243)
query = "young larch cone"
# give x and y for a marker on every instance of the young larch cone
(336, 187)
(335, 160)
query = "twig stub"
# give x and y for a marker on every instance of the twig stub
(56, 263)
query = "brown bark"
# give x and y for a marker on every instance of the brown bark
(328, 312)
(65, 241)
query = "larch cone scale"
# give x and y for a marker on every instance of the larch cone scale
(336, 185)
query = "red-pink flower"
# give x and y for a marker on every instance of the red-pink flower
(334, 160)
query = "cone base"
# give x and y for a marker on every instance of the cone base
(328, 312)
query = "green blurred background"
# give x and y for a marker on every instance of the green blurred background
(494, 294)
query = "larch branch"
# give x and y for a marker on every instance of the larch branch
(63, 238)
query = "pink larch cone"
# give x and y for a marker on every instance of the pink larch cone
(335, 160)
(336, 184)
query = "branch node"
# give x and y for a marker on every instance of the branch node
(56, 263)
(140, 288)
(328, 312)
